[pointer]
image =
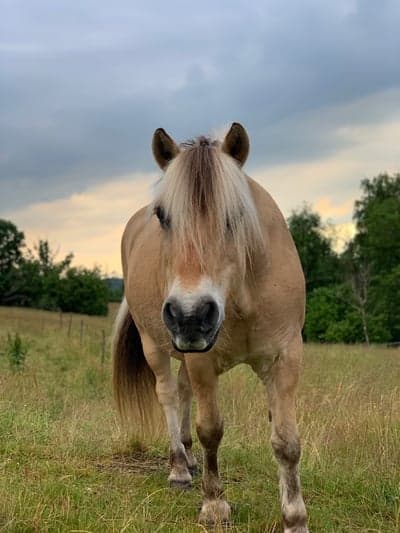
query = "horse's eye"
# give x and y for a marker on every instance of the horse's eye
(160, 214)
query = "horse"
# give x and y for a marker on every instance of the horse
(212, 278)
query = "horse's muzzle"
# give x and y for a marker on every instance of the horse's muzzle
(193, 331)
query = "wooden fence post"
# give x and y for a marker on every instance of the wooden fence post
(103, 347)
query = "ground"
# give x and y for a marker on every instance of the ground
(65, 464)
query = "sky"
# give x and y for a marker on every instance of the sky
(83, 85)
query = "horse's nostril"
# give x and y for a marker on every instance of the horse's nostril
(171, 313)
(209, 313)
(172, 310)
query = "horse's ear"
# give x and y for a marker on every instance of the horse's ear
(164, 148)
(236, 143)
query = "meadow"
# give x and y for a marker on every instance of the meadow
(65, 464)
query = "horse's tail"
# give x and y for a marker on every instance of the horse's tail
(133, 379)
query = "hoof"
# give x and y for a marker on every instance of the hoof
(180, 485)
(295, 529)
(215, 512)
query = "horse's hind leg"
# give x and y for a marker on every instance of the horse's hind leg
(167, 394)
(185, 401)
(281, 387)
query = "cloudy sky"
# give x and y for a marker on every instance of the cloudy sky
(84, 84)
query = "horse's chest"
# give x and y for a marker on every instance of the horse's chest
(243, 341)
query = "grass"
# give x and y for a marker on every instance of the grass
(66, 466)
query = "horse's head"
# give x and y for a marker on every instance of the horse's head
(209, 228)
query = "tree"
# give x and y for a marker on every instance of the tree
(357, 275)
(11, 244)
(333, 316)
(377, 218)
(320, 263)
(372, 259)
(385, 299)
(46, 273)
(115, 287)
(330, 317)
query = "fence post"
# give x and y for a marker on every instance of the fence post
(103, 347)
(69, 325)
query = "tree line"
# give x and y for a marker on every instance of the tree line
(354, 296)
(34, 278)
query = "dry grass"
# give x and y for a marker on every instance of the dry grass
(65, 466)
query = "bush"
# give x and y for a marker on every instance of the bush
(16, 351)
(83, 291)
(326, 306)
(332, 317)
(385, 294)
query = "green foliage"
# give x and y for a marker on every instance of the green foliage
(330, 318)
(333, 314)
(11, 244)
(83, 291)
(16, 351)
(45, 274)
(354, 297)
(36, 279)
(115, 287)
(319, 261)
(385, 295)
(377, 218)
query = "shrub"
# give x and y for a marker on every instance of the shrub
(16, 351)
(83, 291)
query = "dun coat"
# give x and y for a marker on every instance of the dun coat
(212, 278)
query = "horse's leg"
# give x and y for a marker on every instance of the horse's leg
(281, 388)
(209, 426)
(167, 394)
(185, 401)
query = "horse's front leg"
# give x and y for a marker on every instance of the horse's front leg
(281, 388)
(167, 394)
(185, 404)
(209, 424)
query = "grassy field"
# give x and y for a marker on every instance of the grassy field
(66, 466)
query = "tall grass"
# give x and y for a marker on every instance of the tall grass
(66, 466)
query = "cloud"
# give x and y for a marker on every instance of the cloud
(331, 183)
(90, 223)
(85, 84)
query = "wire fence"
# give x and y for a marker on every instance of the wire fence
(92, 333)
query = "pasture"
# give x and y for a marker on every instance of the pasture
(66, 466)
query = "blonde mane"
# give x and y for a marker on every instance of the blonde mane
(205, 198)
